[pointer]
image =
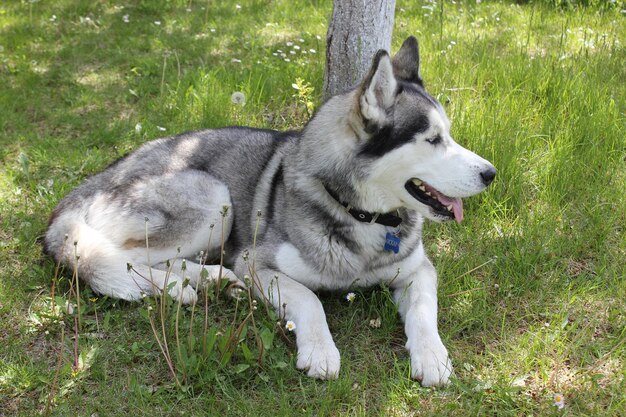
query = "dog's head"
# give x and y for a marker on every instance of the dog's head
(404, 133)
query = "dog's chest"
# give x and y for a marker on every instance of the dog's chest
(329, 263)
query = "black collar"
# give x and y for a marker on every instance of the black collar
(386, 219)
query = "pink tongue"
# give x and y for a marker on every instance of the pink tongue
(456, 203)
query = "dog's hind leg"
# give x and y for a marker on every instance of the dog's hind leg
(110, 270)
(152, 280)
(119, 239)
(199, 275)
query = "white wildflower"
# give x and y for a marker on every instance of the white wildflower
(559, 400)
(290, 325)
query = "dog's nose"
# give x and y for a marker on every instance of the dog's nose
(488, 175)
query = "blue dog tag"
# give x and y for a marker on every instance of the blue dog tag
(392, 242)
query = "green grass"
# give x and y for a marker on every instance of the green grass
(532, 284)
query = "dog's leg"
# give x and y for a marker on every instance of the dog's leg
(294, 302)
(150, 280)
(417, 304)
(195, 272)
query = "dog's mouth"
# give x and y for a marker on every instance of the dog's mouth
(441, 204)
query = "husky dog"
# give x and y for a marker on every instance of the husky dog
(338, 204)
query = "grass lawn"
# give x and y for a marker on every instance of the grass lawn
(532, 283)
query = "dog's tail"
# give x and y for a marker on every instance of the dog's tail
(70, 240)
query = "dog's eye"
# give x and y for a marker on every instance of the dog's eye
(433, 141)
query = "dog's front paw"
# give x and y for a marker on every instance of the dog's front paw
(430, 363)
(320, 358)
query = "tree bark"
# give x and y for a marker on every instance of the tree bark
(358, 28)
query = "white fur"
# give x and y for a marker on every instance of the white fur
(414, 281)
(449, 167)
(379, 94)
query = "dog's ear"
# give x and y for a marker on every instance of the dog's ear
(378, 90)
(406, 63)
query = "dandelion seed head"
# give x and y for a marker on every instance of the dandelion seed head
(238, 98)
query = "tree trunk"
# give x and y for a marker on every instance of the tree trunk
(358, 28)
